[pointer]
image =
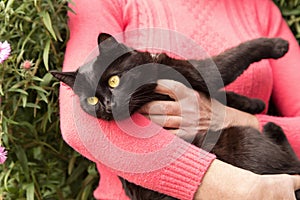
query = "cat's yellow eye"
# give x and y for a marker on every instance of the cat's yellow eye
(92, 100)
(114, 81)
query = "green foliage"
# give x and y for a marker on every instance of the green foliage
(290, 10)
(39, 165)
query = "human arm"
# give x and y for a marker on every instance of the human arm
(116, 151)
(235, 184)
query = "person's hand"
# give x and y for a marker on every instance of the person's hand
(192, 112)
(224, 181)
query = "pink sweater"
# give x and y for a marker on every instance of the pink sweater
(163, 162)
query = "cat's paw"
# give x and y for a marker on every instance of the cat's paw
(272, 128)
(274, 132)
(256, 106)
(280, 47)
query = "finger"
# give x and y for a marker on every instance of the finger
(161, 107)
(166, 120)
(174, 131)
(174, 89)
(147, 116)
(296, 180)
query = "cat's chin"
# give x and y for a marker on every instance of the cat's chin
(107, 118)
(116, 116)
(120, 117)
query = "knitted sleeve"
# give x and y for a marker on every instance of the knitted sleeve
(286, 74)
(159, 161)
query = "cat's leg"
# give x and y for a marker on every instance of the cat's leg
(232, 62)
(243, 103)
(211, 74)
(277, 136)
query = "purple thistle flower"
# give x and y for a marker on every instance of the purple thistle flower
(4, 51)
(3, 155)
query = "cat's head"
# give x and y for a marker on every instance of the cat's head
(115, 84)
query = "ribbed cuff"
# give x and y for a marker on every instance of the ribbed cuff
(182, 178)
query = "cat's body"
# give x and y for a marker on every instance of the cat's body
(121, 80)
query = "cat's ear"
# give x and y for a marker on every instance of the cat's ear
(66, 77)
(106, 41)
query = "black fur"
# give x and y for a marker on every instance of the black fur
(263, 153)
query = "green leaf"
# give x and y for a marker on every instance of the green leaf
(18, 85)
(1, 90)
(18, 90)
(37, 88)
(22, 158)
(48, 23)
(46, 54)
(297, 25)
(86, 191)
(8, 5)
(43, 97)
(30, 191)
(81, 168)
(37, 153)
(289, 12)
(24, 100)
(71, 164)
(46, 79)
(35, 78)
(10, 121)
(7, 175)
(32, 105)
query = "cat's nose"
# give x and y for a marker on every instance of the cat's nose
(109, 105)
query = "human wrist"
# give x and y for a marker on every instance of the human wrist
(224, 181)
(239, 118)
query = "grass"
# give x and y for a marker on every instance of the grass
(39, 165)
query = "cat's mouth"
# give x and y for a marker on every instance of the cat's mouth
(106, 117)
(118, 113)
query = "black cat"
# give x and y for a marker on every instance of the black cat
(120, 80)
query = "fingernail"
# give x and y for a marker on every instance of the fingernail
(165, 82)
